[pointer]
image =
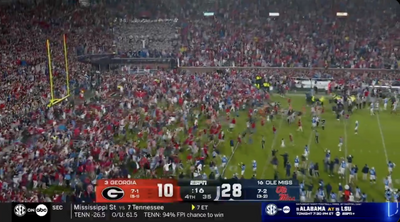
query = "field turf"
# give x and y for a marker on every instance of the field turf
(375, 144)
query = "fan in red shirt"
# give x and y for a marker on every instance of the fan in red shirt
(291, 139)
(347, 194)
(232, 124)
(300, 128)
(205, 150)
(228, 113)
(250, 113)
(276, 108)
(253, 127)
(82, 94)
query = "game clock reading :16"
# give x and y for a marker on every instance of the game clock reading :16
(198, 193)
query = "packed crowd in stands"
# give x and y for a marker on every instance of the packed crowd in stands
(155, 39)
(57, 154)
(307, 33)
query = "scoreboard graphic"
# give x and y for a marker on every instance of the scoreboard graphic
(166, 191)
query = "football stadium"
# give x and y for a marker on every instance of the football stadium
(217, 90)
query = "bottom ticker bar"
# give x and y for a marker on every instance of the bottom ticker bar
(221, 211)
(226, 211)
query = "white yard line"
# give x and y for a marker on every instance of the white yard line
(310, 140)
(345, 149)
(383, 138)
(309, 146)
(229, 159)
(272, 147)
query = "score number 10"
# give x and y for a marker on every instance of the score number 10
(165, 190)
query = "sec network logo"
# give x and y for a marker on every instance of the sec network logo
(271, 209)
(21, 210)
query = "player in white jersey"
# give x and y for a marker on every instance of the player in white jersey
(314, 122)
(327, 156)
(306, 151)
(254, 167)
(386, 182)
(389, 177)
(333, 197)
(224, 161)
(296, 162)
(342, 169)
(385, 102)
(356, 128)
(391, 166)
(396, 197)
(352, 174)
(283, 143)
(216, 171)
(302, 195)
(372, 175)
(371, 109)
(340, 143)
(377, 106)
(243, 169)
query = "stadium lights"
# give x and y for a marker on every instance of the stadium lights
(342, 14)
(274, 14)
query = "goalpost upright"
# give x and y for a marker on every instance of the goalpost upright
(53, 100)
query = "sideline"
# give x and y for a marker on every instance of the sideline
(383, 138)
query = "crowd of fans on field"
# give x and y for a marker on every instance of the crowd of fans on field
(68, 147)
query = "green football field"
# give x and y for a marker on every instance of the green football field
(375, 144)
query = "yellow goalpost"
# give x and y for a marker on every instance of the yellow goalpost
(53, 100)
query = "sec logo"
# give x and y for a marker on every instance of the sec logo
(113, 193)
(20, 210)
(271, 209)
(338, 213)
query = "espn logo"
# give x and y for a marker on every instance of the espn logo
(23, 211)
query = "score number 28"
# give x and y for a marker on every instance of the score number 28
(231, 190)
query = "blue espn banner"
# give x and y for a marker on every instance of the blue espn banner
(385, 212)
